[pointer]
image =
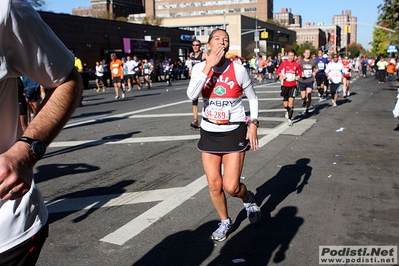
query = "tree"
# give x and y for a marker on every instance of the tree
(122, 19)
(380, 42)
(300, 48)
(389, 18)
(152, 20)
(389, 14)
(355, 49)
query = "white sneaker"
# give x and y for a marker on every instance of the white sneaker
(286, 114)
(290, 122)
(123, 95)
(221, 233)
(116, 97)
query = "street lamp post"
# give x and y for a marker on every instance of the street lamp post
(256, 36)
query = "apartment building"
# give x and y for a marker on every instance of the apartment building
(115, 8)
(287, 19)
(262, 9)
(348, 24)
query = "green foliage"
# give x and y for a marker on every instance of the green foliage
(355, 49)
(123, 19)
(388, 18)
(152, 20)
(389, 14)
(380, 42)
(300, 48)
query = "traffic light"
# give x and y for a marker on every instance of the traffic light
(264, 35)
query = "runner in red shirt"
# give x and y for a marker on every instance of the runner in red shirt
(289, 72)
(347, 76)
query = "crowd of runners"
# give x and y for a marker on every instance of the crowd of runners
(331, 75)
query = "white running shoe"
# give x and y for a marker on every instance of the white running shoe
(290, 122)
(286, 114)
(221, 233)
(116, 97)
(123, 95)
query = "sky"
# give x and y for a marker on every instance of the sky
(310, 10)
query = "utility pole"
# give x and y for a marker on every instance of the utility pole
(256, 36)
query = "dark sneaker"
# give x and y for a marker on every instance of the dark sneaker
(221, 233)
(253, 210)
(194, 124)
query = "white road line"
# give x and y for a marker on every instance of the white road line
(169, 198)
(77, 204)
(137, 225)
(143, 221)
(58, 144)
(72, 123)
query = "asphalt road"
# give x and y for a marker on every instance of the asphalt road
(124, 182)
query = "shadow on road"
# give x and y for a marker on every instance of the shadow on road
(104, 140)
(92, 114)
(256, 244)
(112, 192)
(182, 248)
(52, 171)
(285, 182)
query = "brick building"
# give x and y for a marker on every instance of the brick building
(178, 8)
(93, 39)
(348, 24)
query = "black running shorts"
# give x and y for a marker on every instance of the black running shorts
(224, 142)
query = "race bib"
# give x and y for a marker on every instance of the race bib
(146, 71)
(320, 66)
(115, 71)
(290, 76)
(308, 73)
(217, 115)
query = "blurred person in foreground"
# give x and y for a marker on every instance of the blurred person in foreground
(29, 48)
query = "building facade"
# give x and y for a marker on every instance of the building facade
(111, 8)
(313, 35)
(93, 39)
(325, 37)
(287, 19)
(262, 9)
(348, 24)
(267, 39)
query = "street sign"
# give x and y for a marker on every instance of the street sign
(392, 49)
(188, 38)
